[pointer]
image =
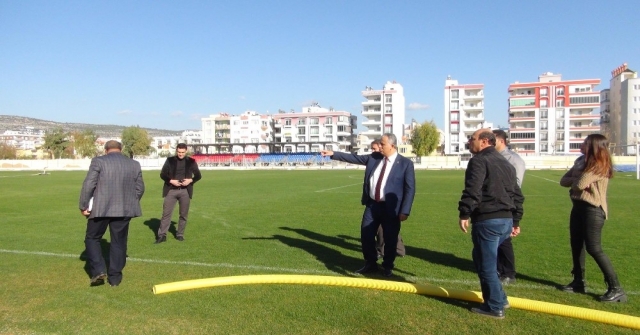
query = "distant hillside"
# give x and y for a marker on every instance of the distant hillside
(10, 122)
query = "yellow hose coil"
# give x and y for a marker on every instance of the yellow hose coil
(422, 289)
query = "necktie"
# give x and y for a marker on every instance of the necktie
(379, 183)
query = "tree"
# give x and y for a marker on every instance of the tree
(425, 138)
(85, 143)
(135, 141)
(55, 142)
(8, 151)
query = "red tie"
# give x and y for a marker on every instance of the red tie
(379, 183)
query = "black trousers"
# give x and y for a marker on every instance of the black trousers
(400, 249)
(376, 215)
(585, 232)
(119, 231)
(506, 259)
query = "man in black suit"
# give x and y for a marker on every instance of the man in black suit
(179, 174)
(114, 187)
(387, 195)
(400, 249)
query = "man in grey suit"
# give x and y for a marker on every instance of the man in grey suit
(114, 183)
(388, 192)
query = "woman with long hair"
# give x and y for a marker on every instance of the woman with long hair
(588, 180)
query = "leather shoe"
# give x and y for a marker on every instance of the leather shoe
(180, 238)
(161, 239)
(368, 268)
(98, 279)
(485, 312)
(507, 280)
(387, 272)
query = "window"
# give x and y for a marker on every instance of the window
(265, 123)
(543, 103)
(522, 135)
(560, 125)
(314, 120)
(560, 103)
(574, 145)
(543, 92)
(314, 130)
(522, 102)
(329, 130)
(455, 128)
(543, 147)
(543, 125)
(529, 147)
(301, 131)
(454, 105)
(342, 129)
(560, 136)
(560, 147)
(584, 100)
(328, 120)
(577, 135)
(454, 116)
(543, 113)
(454, 138)
(455, 94)
(387, 98)
(287, 122)
(560, 113)
(301, 121)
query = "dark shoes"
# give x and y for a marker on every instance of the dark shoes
(576, 286)
(161, 239)
(98, 279)
(614, 294)
(482, 310)
(507, 280)
(368, 268)
(387, 272)
(180, 238)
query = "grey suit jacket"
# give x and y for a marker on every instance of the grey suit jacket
(115, 183)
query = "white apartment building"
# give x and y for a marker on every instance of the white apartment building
(384, 112)
(463, 114)
(314, 129)
(248, 132)
(552, 116)
(27, 138)
(621, 111)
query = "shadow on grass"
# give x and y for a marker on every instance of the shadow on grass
(154, 225)
(104, 247)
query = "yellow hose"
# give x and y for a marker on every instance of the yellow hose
(422, 289)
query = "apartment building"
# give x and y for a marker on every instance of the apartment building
(383, 112)
(248, 132)
(552, 116)
(463, 114)
(620, 112)
(313, 129)
(27, 138)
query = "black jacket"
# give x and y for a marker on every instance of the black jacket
(491, 189)
(169, 171)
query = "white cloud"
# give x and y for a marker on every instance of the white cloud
(177, 113)
(124, 111)
(416, 106)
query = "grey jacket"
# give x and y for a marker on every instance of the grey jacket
(115, 183)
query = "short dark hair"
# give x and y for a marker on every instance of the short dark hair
(181, 146)
(112, 144)
(489, 136)
(376, 141)
(501, 134)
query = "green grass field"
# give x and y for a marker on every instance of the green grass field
(293, 222)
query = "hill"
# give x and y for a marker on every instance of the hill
(11, 122)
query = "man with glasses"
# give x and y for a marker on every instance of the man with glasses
(492, 202)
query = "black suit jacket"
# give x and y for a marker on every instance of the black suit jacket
(168, 172)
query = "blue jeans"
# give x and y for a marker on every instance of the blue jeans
(487, 235)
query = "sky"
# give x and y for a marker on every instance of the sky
(167, 64)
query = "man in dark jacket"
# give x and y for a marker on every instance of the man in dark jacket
(110, 197)
(179, 174)
(493, 201)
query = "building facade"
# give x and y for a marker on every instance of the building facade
(463, 114)
(313, 129)
(620, 113)
(248, 132)
(553, 116)
(383, 112)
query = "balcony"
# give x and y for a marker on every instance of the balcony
(375, 102)
(371, 111)
(472, 106)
